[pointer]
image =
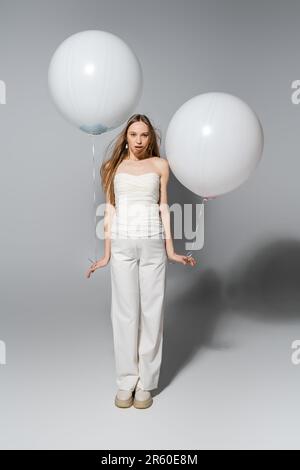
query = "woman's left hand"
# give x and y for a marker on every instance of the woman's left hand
(183, 259)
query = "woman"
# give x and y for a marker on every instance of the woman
(138, 243)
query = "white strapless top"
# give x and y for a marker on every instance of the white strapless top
(137, 210)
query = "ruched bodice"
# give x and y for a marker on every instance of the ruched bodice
(137, 210)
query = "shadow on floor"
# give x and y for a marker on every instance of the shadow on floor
(264, 285)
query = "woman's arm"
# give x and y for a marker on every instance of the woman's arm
(164, 207)
(108, 217)
(165, 216)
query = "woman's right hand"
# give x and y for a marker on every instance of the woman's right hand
(183, 259)
(98, 264)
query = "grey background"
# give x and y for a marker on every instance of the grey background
(227, 380)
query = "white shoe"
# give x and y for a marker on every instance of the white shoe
(124, 398)
(142, 398)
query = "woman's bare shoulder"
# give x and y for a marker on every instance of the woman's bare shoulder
(162, 164)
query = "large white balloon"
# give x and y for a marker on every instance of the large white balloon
(213, 143)
(95, 80)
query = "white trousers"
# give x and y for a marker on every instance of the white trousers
(138, 285)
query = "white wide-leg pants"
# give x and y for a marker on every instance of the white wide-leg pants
(138, 285)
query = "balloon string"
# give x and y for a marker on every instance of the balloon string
(94, 202)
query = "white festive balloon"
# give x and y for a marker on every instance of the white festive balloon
(213, 143)
(95, 80)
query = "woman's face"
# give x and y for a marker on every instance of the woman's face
(138, 138)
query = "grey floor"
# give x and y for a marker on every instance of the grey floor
(227, 380)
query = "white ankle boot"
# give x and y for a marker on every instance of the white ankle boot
(142, 398)
(124, 398)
